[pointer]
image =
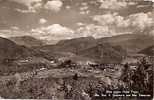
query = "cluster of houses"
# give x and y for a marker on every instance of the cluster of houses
(66, 62)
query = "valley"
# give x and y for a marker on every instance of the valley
(69, 68)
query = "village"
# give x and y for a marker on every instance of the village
(107, 76)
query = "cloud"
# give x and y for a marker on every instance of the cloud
(53, 32)
(115, 4)
(50, 34)
(111, 19)
(68, 7)
(54, 5)
(84, 9)
(14, 28)
(152, 32)
(138, 21)
(112, 4)
(42, 21)
(35, 5)
(25, 11)
(84, 12)
(32, 5)
(26, 2)
(149, 0)
(91, 30)
(84, 3)
(111, 24)
(105, 19)
(98, 31)
(131, 3)
(80, 24)
(12, 32)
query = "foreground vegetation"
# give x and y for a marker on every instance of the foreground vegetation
(77, 84)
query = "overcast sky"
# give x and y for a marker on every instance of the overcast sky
(54, 20)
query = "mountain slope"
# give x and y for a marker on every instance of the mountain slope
(8, 49)
(104, 53)
(11, 50)
(148, 51)
(72, 45)
(12, 55)
(113, 48)
(87, 47)
(133, 43)
(27, 41)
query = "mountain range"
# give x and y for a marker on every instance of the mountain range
(11, 50)
(27, 41)
(108, 48)
(148, 51)
(132, 43)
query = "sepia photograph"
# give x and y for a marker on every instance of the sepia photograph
(76, 49)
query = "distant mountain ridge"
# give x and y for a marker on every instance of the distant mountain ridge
(11, 54)
(8, 49)
(27, 41)
(148, 51)
(133, 43)
(11, 50)
(108, 48)
(87, 47)
(71, 45)
(114, 48)
(104, 53)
